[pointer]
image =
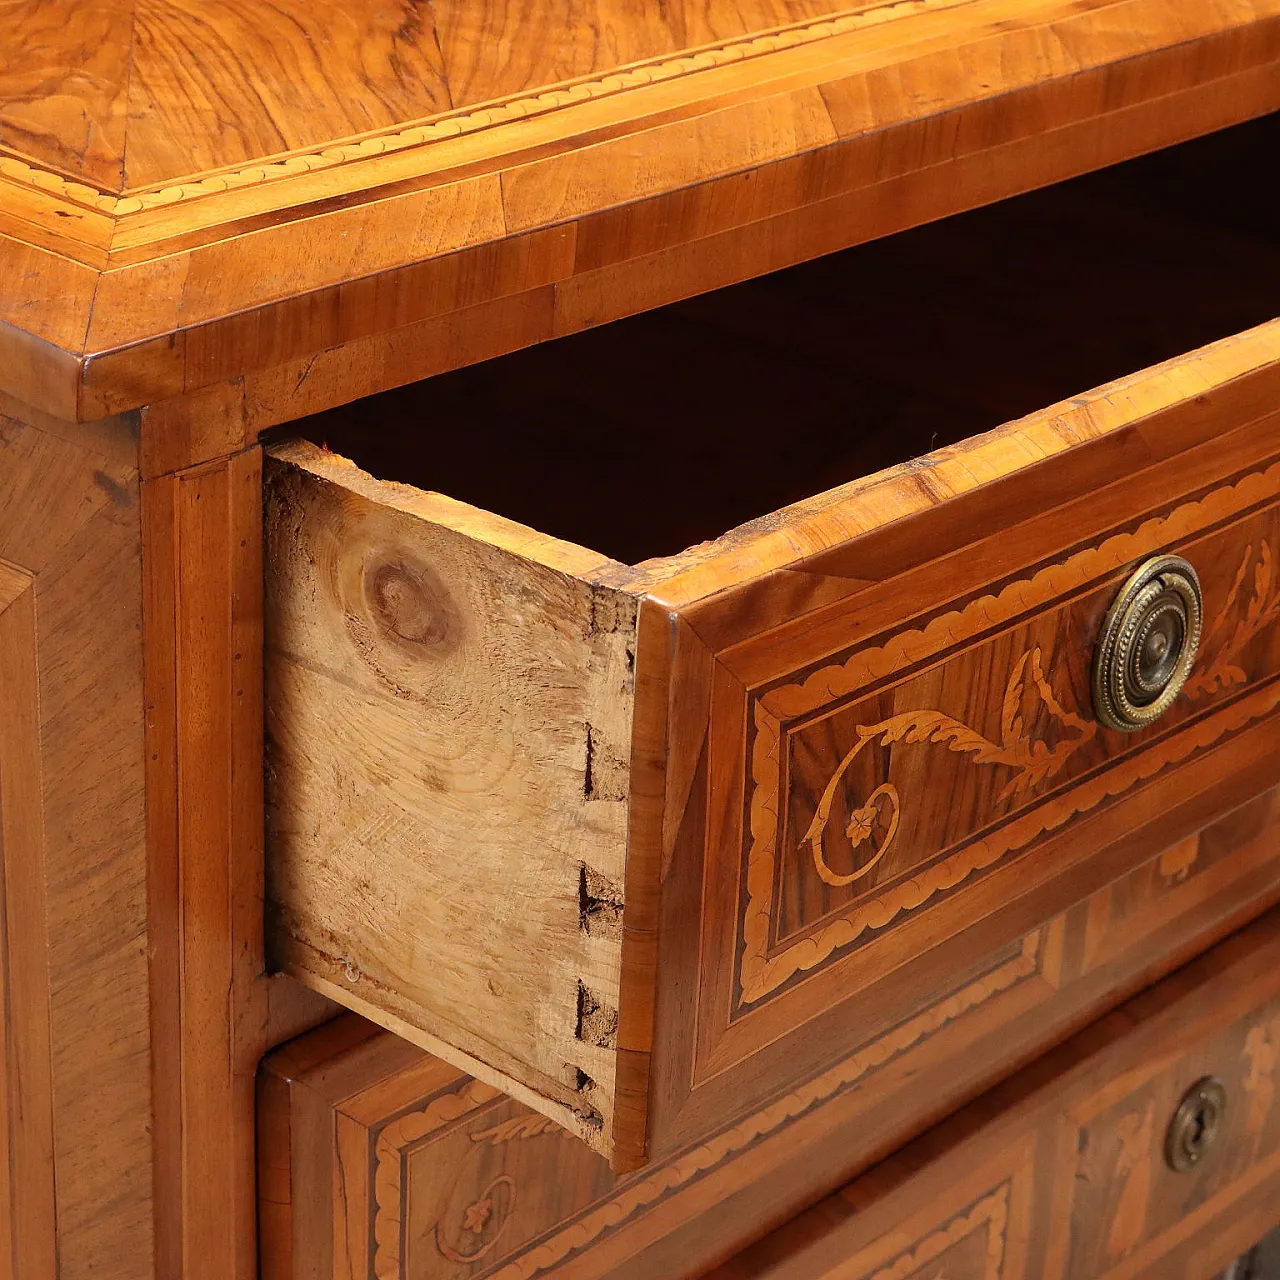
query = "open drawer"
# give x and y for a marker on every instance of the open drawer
(648, 836)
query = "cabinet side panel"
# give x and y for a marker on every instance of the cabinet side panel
(28, 1242)
(75, 855)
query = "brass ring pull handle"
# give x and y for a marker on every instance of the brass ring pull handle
(1196, 1123)
(1148, 644)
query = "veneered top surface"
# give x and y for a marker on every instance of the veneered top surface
(128, 95)
(191, 190)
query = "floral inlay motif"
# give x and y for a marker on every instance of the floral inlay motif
(1223, 670)
(1031, 758)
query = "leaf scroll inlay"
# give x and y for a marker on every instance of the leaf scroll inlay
(1251, 604)
(1223, 669)
(1032, 759)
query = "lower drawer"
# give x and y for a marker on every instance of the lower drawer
(1146, 1147)
(380, 1160)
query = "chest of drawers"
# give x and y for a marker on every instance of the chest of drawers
(613, 622)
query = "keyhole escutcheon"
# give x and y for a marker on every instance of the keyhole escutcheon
(1196, 1123)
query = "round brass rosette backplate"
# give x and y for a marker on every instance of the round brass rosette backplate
(1148, 644)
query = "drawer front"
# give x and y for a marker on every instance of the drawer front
(872, 753)
(380, 1160)
(887, 777)
(1148, 1146)
(648, 846)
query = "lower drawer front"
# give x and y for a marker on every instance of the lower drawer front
(1148, 1146)
(380, 1160)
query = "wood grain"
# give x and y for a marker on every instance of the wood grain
(216, 85)
(384, 1161)
(1061, 1171)
(77, 1075)
(829, 664)
(320, 204)
(391, 615)
(213, 1010)
(580, 39)
(191, 520)
(849, 824)
(42, 325)
(28, 1232)
(622, 288)
(776, 134)
(1140, 272)
(745, 740)
(64, 85)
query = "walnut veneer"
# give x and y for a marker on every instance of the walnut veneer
(601, 808)
(378, 1159)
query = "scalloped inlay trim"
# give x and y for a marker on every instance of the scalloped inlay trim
(641, 1191)
(55, 184)
(760, 974)
(388, 1196)
(991, 1212)
(645, 1191)
(837, 680)
(472, 119)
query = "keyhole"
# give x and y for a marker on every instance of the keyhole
(1196, 1123)
(1197, 1133)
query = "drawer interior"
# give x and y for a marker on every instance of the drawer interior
(648, 435)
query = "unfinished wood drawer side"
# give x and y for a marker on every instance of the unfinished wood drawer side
(448, 744)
